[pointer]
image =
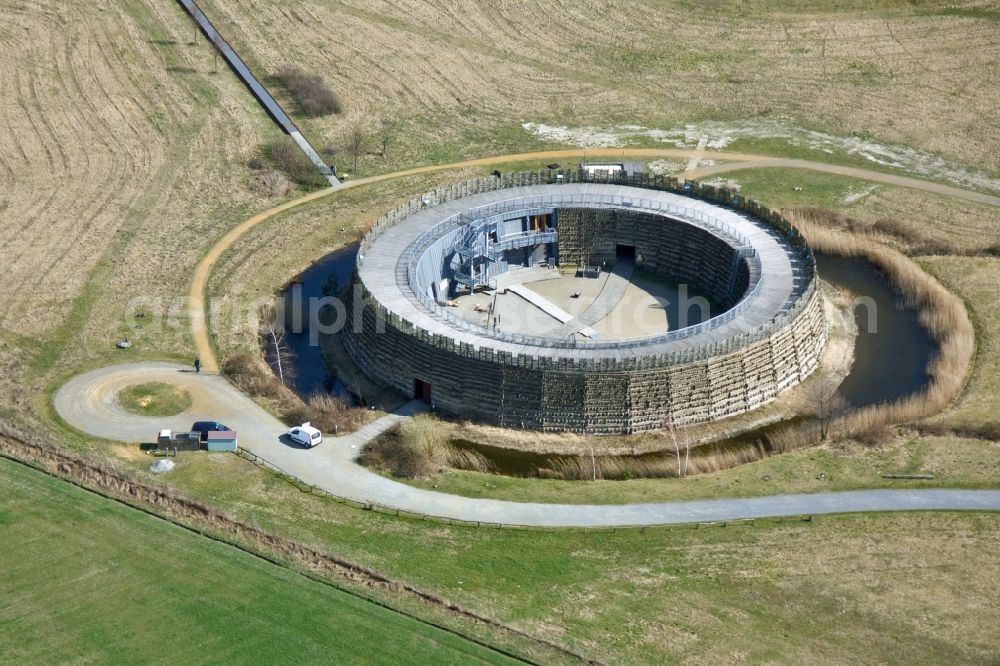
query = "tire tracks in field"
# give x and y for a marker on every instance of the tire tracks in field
(136, 203)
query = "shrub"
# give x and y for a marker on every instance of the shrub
(286, 156)
(935, 429)
(416, 448)
(328, 152)
(992, 250)
(311, 93)
(393, 454)
(893, 227)
(877, 436)
(990, 431)
(929, 247)
(327, 412)
(333, 414)
(252, 376)
(272, 184)
(987, 431)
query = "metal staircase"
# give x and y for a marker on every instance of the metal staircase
(480, 248)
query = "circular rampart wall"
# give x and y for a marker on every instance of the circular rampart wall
(768, 339)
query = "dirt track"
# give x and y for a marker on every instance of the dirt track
(739, 161)
(851, 172)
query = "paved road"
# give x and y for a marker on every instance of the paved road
(199, 282)
(88, 403)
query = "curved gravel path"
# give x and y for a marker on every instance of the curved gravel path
(87, 402)
(736, 161)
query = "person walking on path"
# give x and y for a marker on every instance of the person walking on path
(197, 364)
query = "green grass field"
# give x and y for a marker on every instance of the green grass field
(154, 399)
(879, 588)
(87, 580)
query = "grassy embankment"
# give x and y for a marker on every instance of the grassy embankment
(663, 595)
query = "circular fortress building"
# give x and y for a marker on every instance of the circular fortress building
(584, 306)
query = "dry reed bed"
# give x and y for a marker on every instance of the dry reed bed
(976, 238)
(422, 447)
(329, 413)
(941, 312)
(702, 460)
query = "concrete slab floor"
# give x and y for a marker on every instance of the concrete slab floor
(639, 313)
(648, 307)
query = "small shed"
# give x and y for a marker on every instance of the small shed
(178, 441)
(613, 169)
(221, 440)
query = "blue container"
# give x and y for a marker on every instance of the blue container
(223, 440)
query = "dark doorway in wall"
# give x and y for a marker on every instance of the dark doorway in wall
(625, 252)
(421, 391)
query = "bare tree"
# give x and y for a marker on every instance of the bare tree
(387, 131)
(820, 397)
(679, 437)
(687, 448)
(356, 142)
(276, 350)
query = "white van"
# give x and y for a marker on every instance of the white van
(306, 435)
